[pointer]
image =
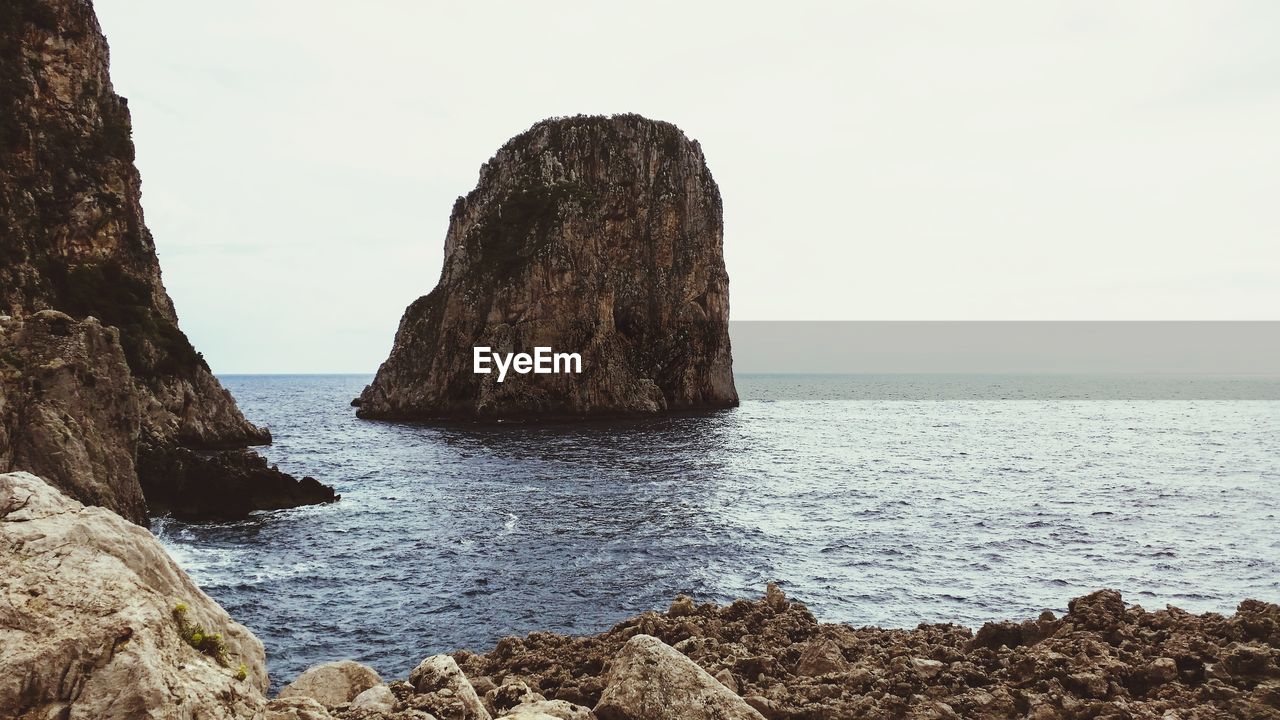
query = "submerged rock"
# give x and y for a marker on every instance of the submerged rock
(600, 236)
(98, 623)
(75, 241)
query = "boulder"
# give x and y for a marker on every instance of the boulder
(600, 236)
(378, 697)
(510, 694)
(99, 623)
(821, 657)
(333, 684)
(439, 675)
(650, 680)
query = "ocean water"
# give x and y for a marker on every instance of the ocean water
(877, 511)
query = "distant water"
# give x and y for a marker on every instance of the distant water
(885, 512)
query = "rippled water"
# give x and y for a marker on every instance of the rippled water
(888, 512)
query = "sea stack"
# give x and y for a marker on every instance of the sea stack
(100, 390)
(596, 236)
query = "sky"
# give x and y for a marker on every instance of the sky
(878, 160)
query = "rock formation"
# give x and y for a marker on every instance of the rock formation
(593, 235)
(649, 680)
(98, 623)
(68, 409)
(1103, 659)
(333, 684)
(74, 240)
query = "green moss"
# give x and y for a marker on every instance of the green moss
(196, 636)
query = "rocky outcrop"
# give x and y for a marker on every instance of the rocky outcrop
(69, 411)
(600, 236)
(1102, 659)
(445, 690)
(98, 623)
(74, 238)
(222, 485)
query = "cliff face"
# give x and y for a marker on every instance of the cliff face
(72, 235)
(71, 216)
(593, 235)
(68, 409)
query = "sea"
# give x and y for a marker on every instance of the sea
(875, 500)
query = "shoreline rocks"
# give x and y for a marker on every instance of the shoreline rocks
(600, 236)
(98, 622)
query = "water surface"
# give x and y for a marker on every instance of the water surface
(872, 511)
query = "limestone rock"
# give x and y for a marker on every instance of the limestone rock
(455, 698)
(1102, 659)
(89, 627)
(74, 237)
(593, 235)
(926, 667)
(509, 695)
(378, 698)
(296, 708)
(821, 657)
(650, 680)
(332, 684)
(69, 411)
(71, 216)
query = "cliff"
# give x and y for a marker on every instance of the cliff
(600, 236)
(72, 228)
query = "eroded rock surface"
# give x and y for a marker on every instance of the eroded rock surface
(74, 240)
(594, 235)
(1104, 659)
(69, 411)
(89, 626)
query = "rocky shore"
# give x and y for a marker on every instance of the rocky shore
(98, 622)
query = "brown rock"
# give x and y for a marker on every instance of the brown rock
(454, 697)
(593, 235)
(821, 657)
(69, 412)
(75, 241)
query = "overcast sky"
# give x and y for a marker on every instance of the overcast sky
(878, 160)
